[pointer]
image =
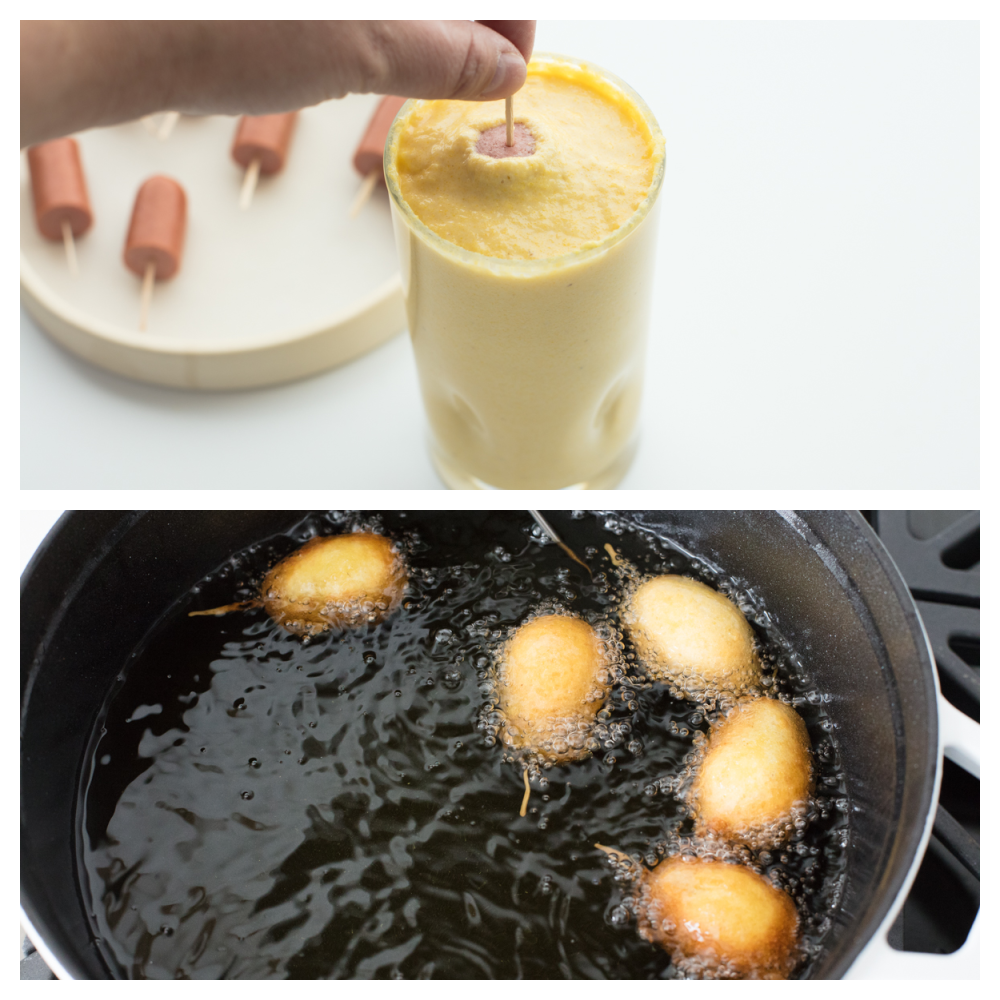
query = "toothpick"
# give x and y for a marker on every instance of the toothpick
(249, 183)
(147, 293)
(550, 531)
(167, 125)
(527, 794)
(615, 558)
(225, 609)
(610, 851)
(67, 231)
(509, 108)
(365, 191)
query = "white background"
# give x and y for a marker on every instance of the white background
(815, 320)
(35, 525)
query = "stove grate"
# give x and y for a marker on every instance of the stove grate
(937, 553)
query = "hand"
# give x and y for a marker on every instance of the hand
(81, 74)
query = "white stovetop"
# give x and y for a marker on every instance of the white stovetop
(815, 320)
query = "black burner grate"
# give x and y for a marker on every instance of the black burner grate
(938, 554)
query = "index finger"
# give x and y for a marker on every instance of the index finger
(520, 33)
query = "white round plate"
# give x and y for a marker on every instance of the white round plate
(287, 288)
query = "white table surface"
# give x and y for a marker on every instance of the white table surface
(815, 320)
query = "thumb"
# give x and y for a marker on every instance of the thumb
(454, 60)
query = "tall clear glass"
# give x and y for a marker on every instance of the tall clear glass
(531, 370)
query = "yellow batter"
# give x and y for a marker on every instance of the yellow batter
(528, 279)
(552, 683)
(592, 167)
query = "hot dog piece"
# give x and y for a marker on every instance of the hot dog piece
(718, 920)
(337, 580)
(265, 138)
(756, 776)
(59, 189)
(368, 156)
(553, 680)
(156, 232)
(333, 581)
(493, 142)
(692, 637)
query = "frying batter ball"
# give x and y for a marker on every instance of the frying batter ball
(719, 920)
(336, 580)
(552, 681)
(756, 775)
(692, 637)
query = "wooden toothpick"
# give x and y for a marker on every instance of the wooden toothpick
(167, 124)
(67, 231)
(365, 191)
(249, 183)
(225, 608)
(615, 558)
(610, 851)
(509, 108)
(550, 531)
(147, 294)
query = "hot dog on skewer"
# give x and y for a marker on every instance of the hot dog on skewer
(59, 190)
(261, 147)
(155, 241)
(368, 155)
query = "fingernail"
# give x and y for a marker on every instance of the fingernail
(506, 64)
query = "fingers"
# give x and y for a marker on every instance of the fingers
(272, 66)
(521, 33)
(458, 60)
(83, 74)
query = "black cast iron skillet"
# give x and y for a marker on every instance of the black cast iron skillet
(101, 580)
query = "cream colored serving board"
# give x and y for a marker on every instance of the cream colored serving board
(285, 289)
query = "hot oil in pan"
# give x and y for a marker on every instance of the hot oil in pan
(264, 807)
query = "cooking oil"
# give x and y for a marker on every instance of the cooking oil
(263, 806)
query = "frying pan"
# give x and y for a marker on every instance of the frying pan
(102, 579)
